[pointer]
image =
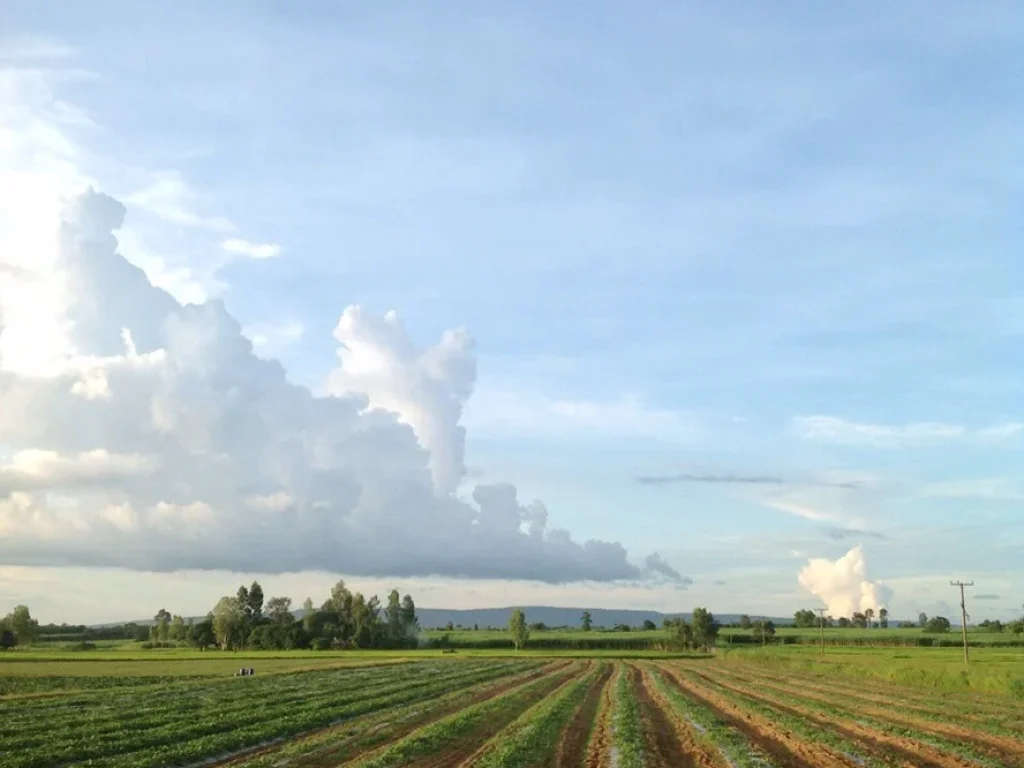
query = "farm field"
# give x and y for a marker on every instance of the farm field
(427, 710)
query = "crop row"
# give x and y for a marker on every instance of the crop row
(210, 732)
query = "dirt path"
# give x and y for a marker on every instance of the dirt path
(784, 748)
(600, 746)
(911, 751)
(1008, 750)
(694, 753)
(572, 750)
(659, 731)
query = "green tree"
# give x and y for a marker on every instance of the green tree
(393, 618)
(7, 638)
(409, 619)
(586, 621)
(843, 622)
(200, 634)
(764, 630)
(883, 618)
(519, 630)
(937, 624)
(745, 622)
(255, 602)
(705, 628)
(229, 623)
(308, 616)
(279, 611)
(860, 620)
(682, 633)
(869, 614)
(649, 625)
(805, 618)
(178, 631)
(922, 619)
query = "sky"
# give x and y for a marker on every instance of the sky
(651, 307)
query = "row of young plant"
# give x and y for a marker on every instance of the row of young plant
(888, 725)
(153, 743)
(812, 720)
(118, 710)
(362, 735)
(999, 722)
(471, 725)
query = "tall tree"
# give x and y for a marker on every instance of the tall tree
(922, 619)
(519, 630)
(869, 614)
(586, 621)
(705, 628)
(883, 618)
(7, 637)
(229, 621)
(393, 617)
(242, 596)
(178, 631)
(279, 611)
(745, 622)
(308, 616)
(161, 631)
(409, 616)
(254, 604)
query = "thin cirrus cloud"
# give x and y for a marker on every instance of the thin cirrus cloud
(240, 247)
(831, 429)
(730, 479)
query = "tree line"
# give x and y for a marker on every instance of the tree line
(245, 620)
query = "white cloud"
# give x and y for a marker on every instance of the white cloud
(831, 429)
(158, 441)
(169, 198)
(268, 339)
(843, 585)
(242, 247)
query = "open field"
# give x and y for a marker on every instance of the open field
(784, 708)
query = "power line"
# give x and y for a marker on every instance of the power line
(963, 612)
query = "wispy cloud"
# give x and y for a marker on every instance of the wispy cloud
(242, 247)
(840, 534)
(988, 597)
(169, 198)
(831, 429)
(730, 479)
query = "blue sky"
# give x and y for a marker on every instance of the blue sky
(696, 243)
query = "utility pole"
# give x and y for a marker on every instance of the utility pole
(963, 612)
(821, 628)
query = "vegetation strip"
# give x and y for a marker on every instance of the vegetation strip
(627, 727)
(572, 748)
(533, 738)
(1009, 750)
(875, 735)
(447, 737)
(600, 746)
(797, 745)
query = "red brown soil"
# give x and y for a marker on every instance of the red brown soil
(465, 749)
(331, 752)
(572, 750)
(675, 744)
(1005, 749)
(784, 748)
(914, 753)
(599, 748)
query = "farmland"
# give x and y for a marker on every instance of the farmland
(741, 709)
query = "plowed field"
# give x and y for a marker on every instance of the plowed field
(558, 713)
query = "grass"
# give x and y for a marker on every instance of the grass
(628, 731)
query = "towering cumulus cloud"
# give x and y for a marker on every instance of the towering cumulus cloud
(843, 585)
(138, 432)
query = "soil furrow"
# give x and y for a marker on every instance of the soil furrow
(599, 748)
(1008, 750)
(659, 732)
(785, 749)
(912, 752)
(696, 754)
(572, 750)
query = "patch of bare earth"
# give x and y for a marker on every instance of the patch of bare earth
(785, 748)
(572, 750)
(911, 752)
(696, 753)
(1008, 751)
(599, 748)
